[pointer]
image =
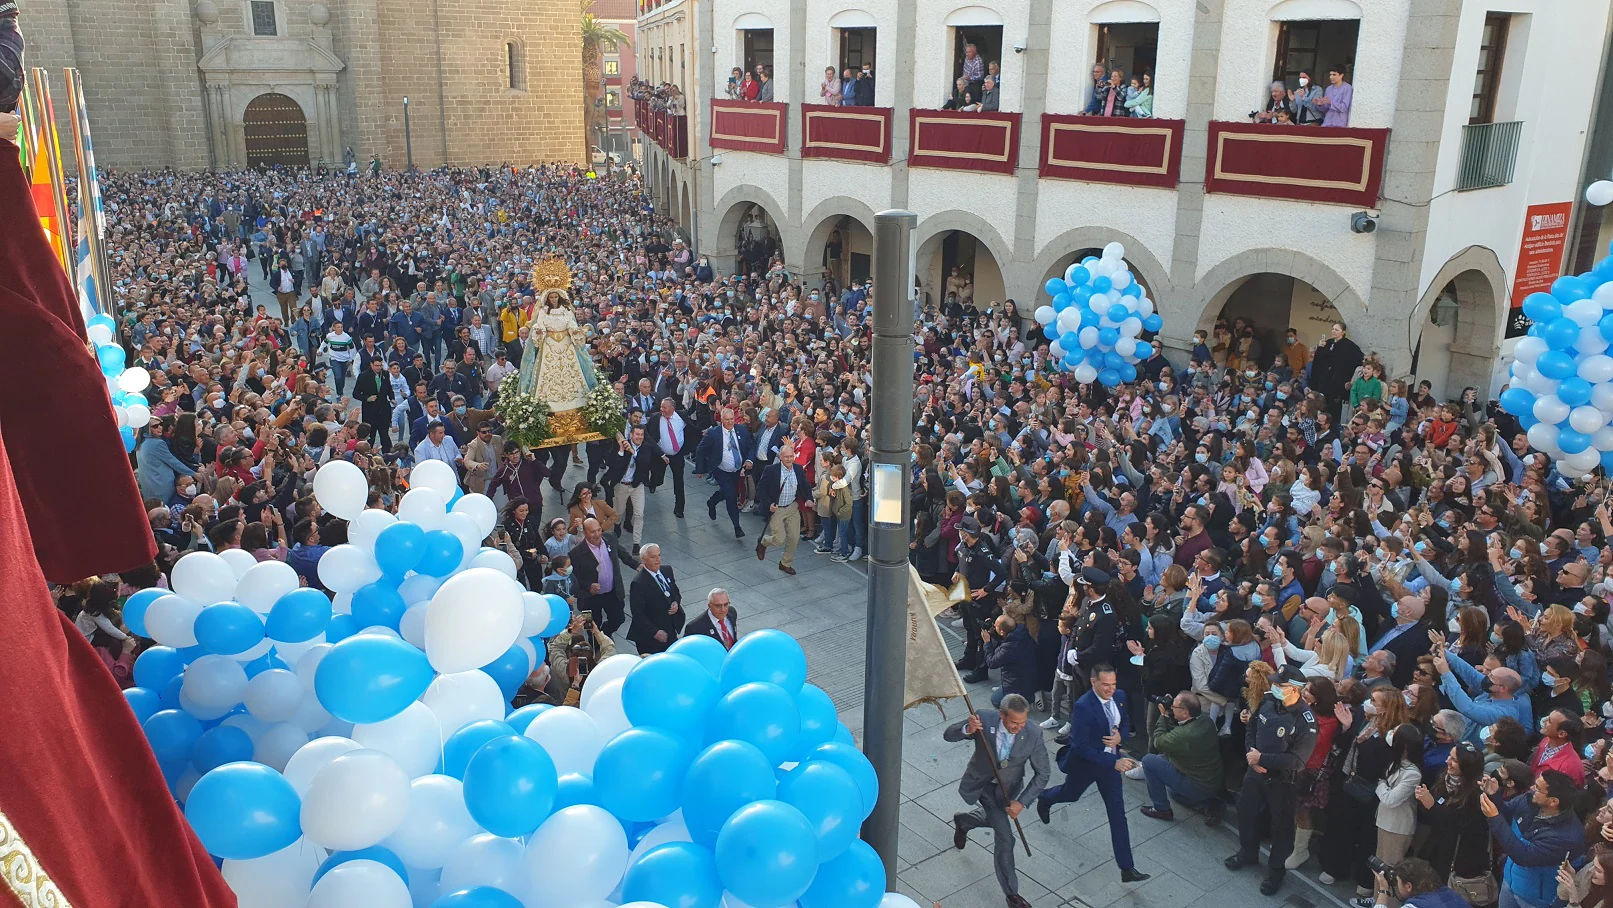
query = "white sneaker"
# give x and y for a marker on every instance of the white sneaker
(1064, 729)
(1049, 722)
(1326, 879)
(957, 622)
(1136, 772)
(856, 555)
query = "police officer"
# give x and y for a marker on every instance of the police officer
(979, 565)
(1098, 627)
(1279, 737)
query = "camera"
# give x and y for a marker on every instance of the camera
(1380, 866)
(1253, 114)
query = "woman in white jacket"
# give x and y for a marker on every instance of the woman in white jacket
(1397, 811)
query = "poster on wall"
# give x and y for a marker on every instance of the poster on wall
(1540, 259)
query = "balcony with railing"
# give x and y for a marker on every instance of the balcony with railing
(963, 140)
(1333, 165)
(760, 126)
(670, 131)
(1489, 154)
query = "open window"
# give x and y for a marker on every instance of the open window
(974, 26)
(756, 41)
(1487, 79)
(1129, 47)
(852, 33)
(1314, 47)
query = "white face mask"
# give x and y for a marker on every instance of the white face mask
(1302, 83)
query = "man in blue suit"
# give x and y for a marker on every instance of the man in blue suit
(1093, 756)
(722, 453)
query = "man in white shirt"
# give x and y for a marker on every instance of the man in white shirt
(625, 472)
(667, 431)
(437, 445)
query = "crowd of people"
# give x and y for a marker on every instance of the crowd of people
(1114, 96)
(1307, 103)
(1374, 622)
(661, 97)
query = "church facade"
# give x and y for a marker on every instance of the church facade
(221, 84)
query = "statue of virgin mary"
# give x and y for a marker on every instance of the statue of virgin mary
(557, 366)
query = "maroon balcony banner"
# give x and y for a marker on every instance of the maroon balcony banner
(1329, 164)
(846, 133)
(1138, 152)
(954, 140)
(748, 125)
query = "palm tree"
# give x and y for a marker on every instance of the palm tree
(598, 39)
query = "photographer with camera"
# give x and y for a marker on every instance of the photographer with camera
(575, 651)
(1412, 883)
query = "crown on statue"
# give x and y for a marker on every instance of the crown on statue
(549, 275)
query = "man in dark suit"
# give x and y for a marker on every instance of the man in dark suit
(668, 434)
(1014, 744)
(1100, 724)
(722, 453)
(780, 493)
(1406, 639)
(720, 620)
(597, 576)
(626, 470)
(373, 391)
(656, 604)
(764, 447)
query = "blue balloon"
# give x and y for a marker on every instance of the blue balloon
(510, 785)
(378, 603)
(1089, 319)
(1607, 461)
(1569, 289)
(767, 853)
(849, 758)
(242, 811)
(371, 678)
(1144, 351)
(111, 358)
(559, 616)
(386, 857)
(299, 615)
(1574, 391)
(1108, 336)
(134, 609)
(818, 717)
(1054, 286)
(766, 655)
(1606, 325)
(723, 778)
(853, 879)
(441, 553)
(477, 897)
(398, 549)
(1102, 284)
(676, 873)
(463, 744)
(830, 800)
(103, 320)
(144, 701)
(509, 670)
(341, 627)
(644, 769)
(1079, 275)
(1542, 307)
(128, 437)
(705, 650)
(1556, 363)
(1070, 340)
(1075, 356)
(521, 718)
(761, 713)
(172, 734)
(1108, 378)
(220, 745)
(155, 667)
(1133, 290)
(170, 692)
(1604, 269)
(1527, 421)
(573, 789)
(1153, 322)
(1560, 334)
(228, 628)
(1517, 401)
(1571, 441)
(1118, 313)
(192, 653)
(669, 690)
(1063, 301)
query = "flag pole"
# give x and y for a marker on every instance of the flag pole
(58, 180)
(89, 194)
(980, 735)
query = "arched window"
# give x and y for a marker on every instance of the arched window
(515, 64)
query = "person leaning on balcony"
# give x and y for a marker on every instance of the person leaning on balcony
(748, 88)
(1278, 102)
(1111, 101)
(733, 91)
(1140, 100)
(989, 96)
(848, 88)
(1303, 101)
(961, 98)
(829, 91)
(864, 90)
(765, 91)
(1337, 99)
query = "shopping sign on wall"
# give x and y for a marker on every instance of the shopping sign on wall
(1540, 258)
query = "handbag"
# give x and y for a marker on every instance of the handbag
(1359, 789)
(1476, 890)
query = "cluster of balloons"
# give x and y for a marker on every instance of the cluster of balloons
(1561, 382)
(1098, 311)
(362, 752)
(125, 383)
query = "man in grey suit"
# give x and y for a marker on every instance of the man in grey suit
(1014, 743)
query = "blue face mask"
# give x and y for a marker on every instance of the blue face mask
(1548, 679)
(1212, 642)
(1394, 611)
(1270, 385)
(1456, 584)
(460, 410)
(1137, 660)
(1202, 458)
(1257, 600)
(1421, 547)
(1517, 554)
(1282, 395)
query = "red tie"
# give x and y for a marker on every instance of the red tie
(727, 635)
(672, 433)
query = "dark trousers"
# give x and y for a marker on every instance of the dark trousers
(607, 610)
(1076, 781)
(382, 435)
(596, 451)
(1350, 837)
(559, 459)
(992, 813)
(674, 468)
(1273, 793)
(727, 492)
(975, 612)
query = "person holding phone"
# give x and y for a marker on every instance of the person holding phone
(1537, 831)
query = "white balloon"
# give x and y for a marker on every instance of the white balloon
(1069, 273)
(1121, 280)
(1114, 251)
(609, 669)
(1089, 337)
(1601, 397)
(483, 860)
(1548, 409)
(499, 561)
(1105, 321)
(577, 855)
(1085, 373)
(420, 587)
(1543, 437)
(467, 529)
(171, 621)
(308, 663)
(1529, 349)
(352, 884)
(204, 578)
(341, 488)
(481, 509)
(215, 681)
(258, 651)
(412, 626)
(291, 652)
(254, 728)
(264, 583)
(571, 736)
(1069, 320)
(368, 525)
(1590, 339)
(1145, 307)
(422, 506)
(434, 475)
(278, 745)
(1126, 346)
(473, 618)
(1604, 296)
(347, 567)
(897, 900)
(1056, 349)
(1596, 368)
(1585, 312)
(137, 414)
(312, 757)
(411, 737)
(1543, 386)
(312, 718)
(274, 695)
(1602, 439)
(1599, 193)
(380, 630)
(437, 821)
(606, 708)
(133, 380)
(462, 698)
(423, 886)
(278, 880)
(240, 561)
(536, 613)
(341, 604)
(1576, 465)
(530, 650)
(1586, 420)
(204, 712)
(1131, 327)
(355, 801)
(674, 830)
(1044, 315)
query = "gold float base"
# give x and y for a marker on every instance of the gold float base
(569, 428)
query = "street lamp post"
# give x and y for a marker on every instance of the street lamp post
(408, 142)
(889, 531)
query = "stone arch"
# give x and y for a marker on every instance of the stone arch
(1197, 308)
(1478, 282)
(1289, 10)
(276, 131)
(973, 14)
(1154, 275)
(930, 239)
(514, 63)
(821, 221)
(685, 213)
(734, 205)
(1123, 11)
